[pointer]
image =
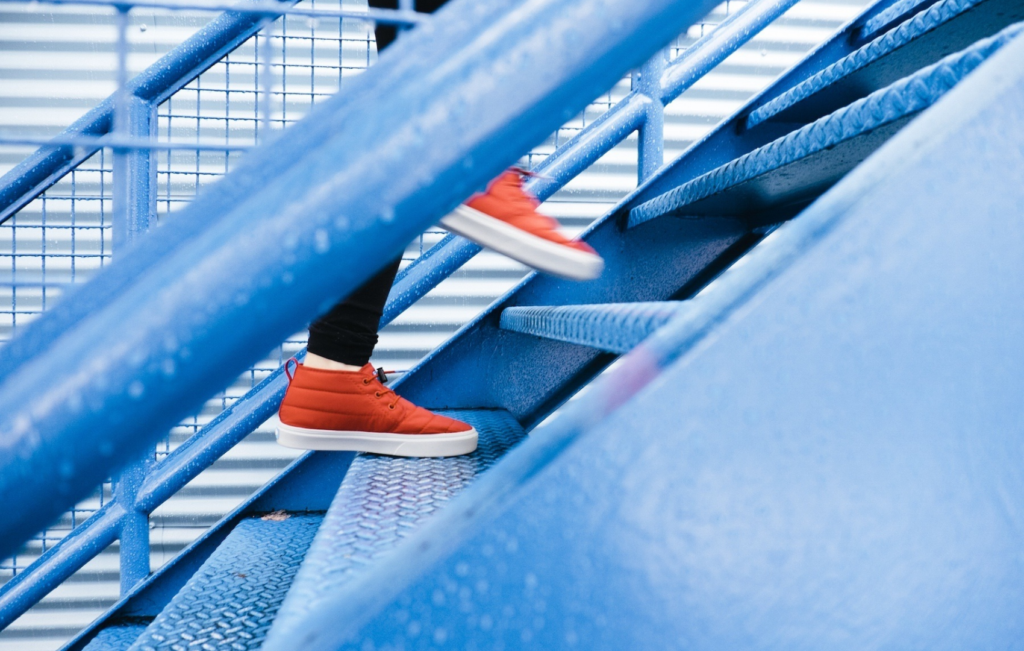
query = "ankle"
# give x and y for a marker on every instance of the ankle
(324, 364)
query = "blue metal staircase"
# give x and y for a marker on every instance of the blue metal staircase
(754, 470)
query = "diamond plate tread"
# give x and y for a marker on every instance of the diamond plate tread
(918, 26)
(115, 638)
(899, 100)
(896, 11)
(381, 501)
(231, 600)
(614, 327)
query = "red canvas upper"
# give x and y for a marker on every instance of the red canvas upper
(356, 402)
(507, 200)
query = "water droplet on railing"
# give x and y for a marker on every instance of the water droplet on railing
(321, 241)
(136, 389)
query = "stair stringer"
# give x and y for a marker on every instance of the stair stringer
(837, 465)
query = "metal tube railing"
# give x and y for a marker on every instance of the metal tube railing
(165, 478)
(323, 195)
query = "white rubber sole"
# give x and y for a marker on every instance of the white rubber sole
(396, 445)
(542, 255)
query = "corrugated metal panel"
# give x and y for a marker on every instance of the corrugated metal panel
(58, 62)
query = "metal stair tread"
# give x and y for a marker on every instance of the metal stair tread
(877, 60)
(807, 161)
(383, 500)
(115, 638)
(231, 600)
(613, 327)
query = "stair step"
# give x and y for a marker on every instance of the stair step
(892, 16)
(798, 167)
(231, 600)
(115, 638)
(381, 501)
(614, 327)
(942, 29)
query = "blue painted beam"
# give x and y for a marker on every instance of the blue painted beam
(944, 28)
(49, 164)
(805, 163)
(612, 327)
(309, 217)
(822, 452)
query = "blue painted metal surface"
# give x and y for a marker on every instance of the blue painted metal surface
(651, 144)
(382, 501)
(944, 28)
(161, 481)
(413, 282)
(807, 161)
(136, 353)
(612, 327)
(894, 15)
(712, 48)
(116, 638)
(230, 602)
(837, 465)
(229, 428)
(134, 530)
(753, 12)
(134, 176)
(59, 562)
(307, 485)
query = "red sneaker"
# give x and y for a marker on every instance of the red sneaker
(339, 410)
(505, 219)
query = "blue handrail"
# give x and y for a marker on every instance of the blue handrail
(168, 476)
(184, 321)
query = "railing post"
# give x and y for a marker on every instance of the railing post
(134, 198)
(134, 207)
(134, 553)
(134, 195)
(651, 137)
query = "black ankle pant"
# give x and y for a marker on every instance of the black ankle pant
(348, 332)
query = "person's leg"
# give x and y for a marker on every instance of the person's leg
(386, 34)
(344, 338)
(335, 401)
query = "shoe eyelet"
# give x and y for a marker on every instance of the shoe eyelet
(366, 380)
(376, 393)
(391, 407)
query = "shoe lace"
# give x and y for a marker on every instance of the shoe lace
(287, 371)
(381, 373)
